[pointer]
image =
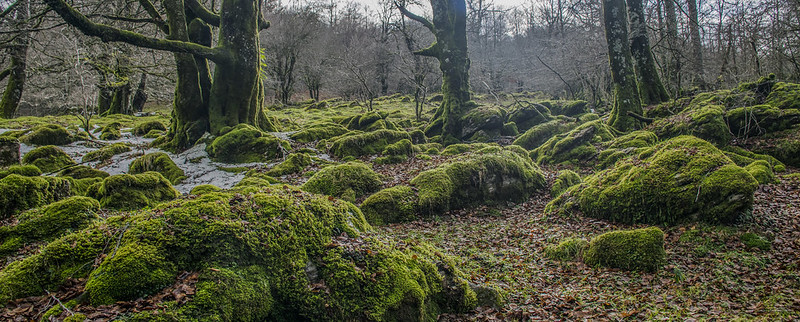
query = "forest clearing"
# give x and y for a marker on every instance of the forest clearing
(262, 175)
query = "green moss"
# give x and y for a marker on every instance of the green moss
(111, 131)
(761, 119)
(535, 136)
(128, 192)
(635, 250)
(294, 163)
(336, 180)
(762, 171)
(509, 129)
(133, 271)
(528, 115)
(232, 294)
(568, 250)
(784, 96)
(82, 172)
(107, 152)
(204, 189)
(754, 241)
(154, 134)
(636, 139)
(418, 137)
(244, 144)
(22, 193)
(743, 157)
(145, 128)
(456, 149)
(319, 132)
(391, 205)
(50, 221)
(576, 146)
(683, 179)
(366, 143)
(159, 162)
(568, 108)
(706, 121)
(47, 158)
(399, 148)
(785, 149)
(47, 134)
(23, 170)
(564, 180)
(482, 123)
(81, 186)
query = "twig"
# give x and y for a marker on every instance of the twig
(59, 303)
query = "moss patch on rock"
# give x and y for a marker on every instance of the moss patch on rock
(159, 162)
(244, 144)
(53, 220)
(23, 170)
(22, 193)
(683, 179)
(366, 143)
(129, 192)
(145, 128)
(47, 158)
(634, 250)
(567, 250)
(349, 181)
(391, 205)
(564, 180)
(111, 131)
(568, 108)
(106, 153)
(320, 131)
(704, 121)
(762, 171)
(294, 163)
(539, 134)
(204, 189)
(527, 115)
(82, 172)
(47, 134)
(578, 146)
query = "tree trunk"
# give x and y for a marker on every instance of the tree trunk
(140, 97)
(626, 95)
(651, 90)
(674, 63)
(120, 99)
(696, 45)
(16, 71)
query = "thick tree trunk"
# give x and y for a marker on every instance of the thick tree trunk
(674, 63)
(120, 99)
(696, 45)
(140, 97)
(16, 71)
(651, 90)
(626, 95)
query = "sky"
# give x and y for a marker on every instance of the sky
(505, 3)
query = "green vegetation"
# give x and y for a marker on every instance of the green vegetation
(204, 189)
(111, 131)
(107, 152)
(22, 193)
(130, 192)
(361, 144)
(762, 171)
(348, 181)
(47, 134)
(568, 250)
(47, 158)
(82, 172)
(144, 128)
(564, 180)
(391, 205)
(754, 241)
(159, 162)
(574, 147)
(23, 170)
(539, 134)
(244, 144)
(636, 250)
(294, 163)
(51, 221)
(319, 131)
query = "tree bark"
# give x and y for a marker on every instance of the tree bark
(696, 45)
(674, 63)
(18, 52)
(140, 97)
(626, 95)
(651, 90)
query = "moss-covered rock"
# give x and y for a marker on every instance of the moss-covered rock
(106, 153)
(459, 148)
(294, 163)
(704, 121)
(762, 171)
(577, 146)
(111, 131)
(23, 170)
(349, 181)
(528, 115)
(129, 192)
(154, 134)
(486, 119)
(21, 193)
(683, 179)
(244, 143)
(81, 186)
(47, 134)
(159, 162)
(760, 119)
(276, 254)
(204, 189)
(567, 250)
(47, 158)
(568, 108)
(564, 180)
(509, 129)
(366, 143)
(784, 148)
(9, 151)
(743, 158)
(145, 128)
(391, 205)
(55, 219)
(82, 172)
(399, 148)
(318, 131)
(635, 250)
(539, 134)
(784, 96)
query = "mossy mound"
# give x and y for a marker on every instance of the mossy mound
(486, 119)
(785, 147)
(244, 143)
(574, 147)
(21, 193)
(459, 148)
(760, 120)
(683, 179)
(111, 131)
(23, 170)
(527, 115)
(539, 134)
(154, 134)
(509, 129)
(82, 172)
(47, 134)
(634, 250)
(761, 171)
(204, 189)
(129, 192)
(368, 122)
(564, 180)
(567, 250)
(625, 146)
(743, 158)
(784, 96)
(349, 181)
(704, 121)
(106, 153)
(146, 127)
(47, 158)
(275, 254)
(399, 148)
(366, 143)
(321, 131)
(294, 163)
(51, 221)
(159, 162)
(754, 241)
(568, 108)
(489, 176)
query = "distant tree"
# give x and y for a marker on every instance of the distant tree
(698, 66)
(651, 90)
(17, 14)
(625, 91)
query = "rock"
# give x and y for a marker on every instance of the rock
(375, 142)
(244, 143)
(129, 192)
(106, 153)
(9, 151)
(634, 250)
(145, 128)
(22, 193)
(564, 180)
(48, 134)
(349, 181)
(82, 172)
(159, 162)
(47, 158)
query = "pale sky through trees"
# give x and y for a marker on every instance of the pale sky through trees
(373, 4)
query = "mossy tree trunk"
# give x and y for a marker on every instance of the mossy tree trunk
(697, 63)
(234, 96)
(18, 52)
(625, 91)
(674, 63)
(450, 49)
(140, 97)
(651, 90)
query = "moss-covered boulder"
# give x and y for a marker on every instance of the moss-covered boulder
(568, 108)
(277, 254)
(391, 205)
(111, 131)
(486, 119)
(527, 115)
(48, 134)
(204, 189)
(682, 179)
(366, 143)
(704, 121)
(635, 250)
(21, 193)
(760, 120)
(129, 192)
(82, 172)
(349, 181)
(9, 151)
(785, 147)
(244, 143)
(53, 220)
(47, 158)
(460, 148)
(579, 146)
(106, 153)
(567, 250)
(23, 170)
(159, 162)
(761, 171)
(624, 146)
(784, 96)
(320, 131)
(564, 180)
(294, 163)
(539, 134)
(144, 128)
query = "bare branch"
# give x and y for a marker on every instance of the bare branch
(425, 22)
(212, 18)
